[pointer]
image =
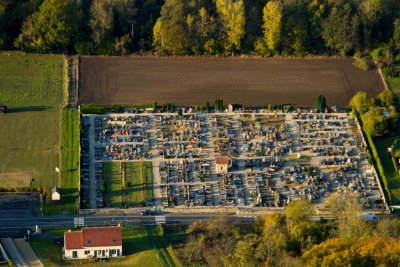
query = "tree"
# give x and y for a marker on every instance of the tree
(170, 31)
(350, 226)
(320, 104)
(395, 41)
(102, 19)
(299, 210)
(386, 98)
(180, 112)
(340, 30)
(231, 13)
(372, 11)
(52, 28)
(273, 13)
(374, 122)
(245, 251)
(361, 102)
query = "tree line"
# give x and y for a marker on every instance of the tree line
(296, 238)
(203, 27)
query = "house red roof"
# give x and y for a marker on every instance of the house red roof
(93, 237)
(222, 160)
(73, 240)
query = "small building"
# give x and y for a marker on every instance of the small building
(221, 164)
(55, 194)
(3, 108)
(93, 242)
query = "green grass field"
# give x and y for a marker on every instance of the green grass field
(31, 80)
(32, 87)
(30, 144)
(69, 184)
(69, 164)
(138, 183)
(393, 178)
(141, 247)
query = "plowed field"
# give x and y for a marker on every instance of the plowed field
(194, 81)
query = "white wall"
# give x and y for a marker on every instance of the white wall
(68, 253)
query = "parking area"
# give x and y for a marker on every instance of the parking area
(231, 159)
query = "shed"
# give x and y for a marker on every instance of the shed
(55, 194)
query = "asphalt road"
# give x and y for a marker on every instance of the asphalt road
(8, 224)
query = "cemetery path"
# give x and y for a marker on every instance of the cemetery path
(92, 168)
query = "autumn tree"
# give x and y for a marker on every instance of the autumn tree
(232, 17)
(374, 122)
(346, 207)
(170, 30)
(386, 98)
(361, 102)
(52, 28)
(272, 24)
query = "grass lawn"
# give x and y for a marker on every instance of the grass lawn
(139, 177)
(32, 86)
(138, 183)
(113, 177)
(393, 178)
(31, 80)
(69, 167)
(30, 144)
(141, 247)
(69, 164)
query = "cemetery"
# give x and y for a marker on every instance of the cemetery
(252, 159)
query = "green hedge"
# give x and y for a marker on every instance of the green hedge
(114, 108)
(378, 164)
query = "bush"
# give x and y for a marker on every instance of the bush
(377, 54)
(362, 64)
(392, 71)
(102, 109)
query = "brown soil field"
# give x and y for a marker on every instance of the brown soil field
(194, 81)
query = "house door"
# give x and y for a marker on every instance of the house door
(95, 253)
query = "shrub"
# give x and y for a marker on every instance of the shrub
(377, 54)
(362, 64)
(392, 71)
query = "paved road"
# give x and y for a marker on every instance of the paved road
(68, 220)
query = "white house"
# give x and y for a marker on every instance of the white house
(55, 194)
(93, 242)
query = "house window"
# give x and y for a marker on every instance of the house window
(87, 252)
(114, 241)
(89, 242)
(112, 252)
(74, 254)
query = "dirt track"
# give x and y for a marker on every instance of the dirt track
(193, 81)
